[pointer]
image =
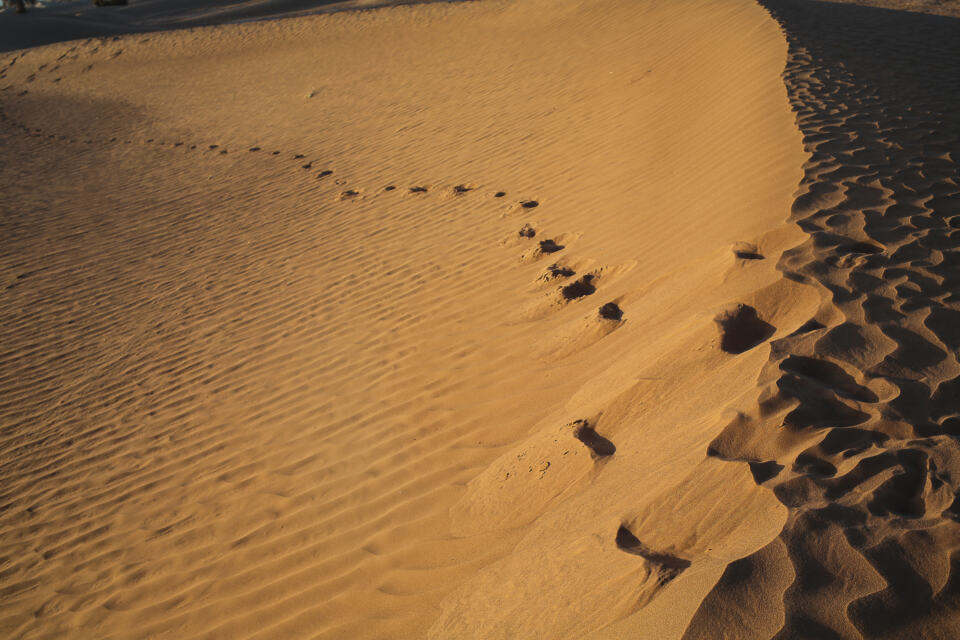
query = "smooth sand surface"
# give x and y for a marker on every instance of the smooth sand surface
(501, 319)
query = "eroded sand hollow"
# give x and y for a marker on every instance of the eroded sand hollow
(447, 320)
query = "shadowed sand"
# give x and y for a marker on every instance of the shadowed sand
(446, 321)
(856, 429)
(58, 22)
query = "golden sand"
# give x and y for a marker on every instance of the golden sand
(507, 319)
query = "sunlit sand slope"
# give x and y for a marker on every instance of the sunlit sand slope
(403, 323)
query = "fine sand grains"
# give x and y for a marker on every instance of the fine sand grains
(392, 324)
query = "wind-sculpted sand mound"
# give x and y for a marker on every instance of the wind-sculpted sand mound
(422, 322)
(856, 430)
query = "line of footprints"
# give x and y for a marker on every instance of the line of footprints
(570, 287)
(95, 45)
(346, 194)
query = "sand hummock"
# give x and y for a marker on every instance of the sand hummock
(499, 319)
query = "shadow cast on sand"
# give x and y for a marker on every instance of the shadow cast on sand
(79, 20)
(857, 426)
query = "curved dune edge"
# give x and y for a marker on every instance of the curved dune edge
(856, 427)
(626, 527)
(395, 324)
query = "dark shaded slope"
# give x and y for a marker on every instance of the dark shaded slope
(78, 20)
(860, 414)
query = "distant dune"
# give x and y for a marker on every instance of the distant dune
(501, 319)
(936, 7)
(51, 22)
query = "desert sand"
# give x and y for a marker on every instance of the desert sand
(500, 319)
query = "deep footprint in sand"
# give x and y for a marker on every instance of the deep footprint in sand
(555, 271)
(599, 446)
(550, 246)
(611, 311)
(742, 329)
(581, 288)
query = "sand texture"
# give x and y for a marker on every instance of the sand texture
(857, 428)
(503, 319)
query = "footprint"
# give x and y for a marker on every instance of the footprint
(527, 231)
(461, 189)
(669, 566)
(741, 329)
(599, 446)
(579, 289)
(555, 271)
(610, 311)
(252, 149)
(746, 251)
(550, 246)
(529, 204)
(349, 193)
(499, 194)
(324, 173)
(389, 187)
(418, 189)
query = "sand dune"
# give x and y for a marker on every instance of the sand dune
(482, 320)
